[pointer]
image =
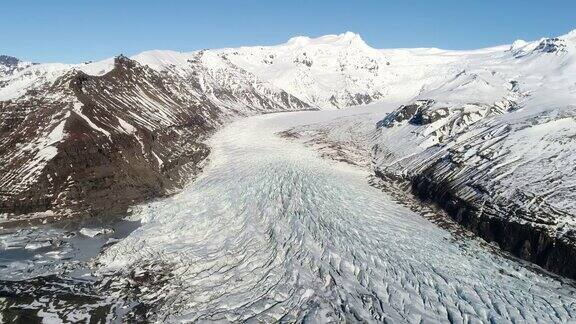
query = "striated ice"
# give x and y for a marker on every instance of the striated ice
(272, 232)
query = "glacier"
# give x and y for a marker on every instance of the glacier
(272, 232)
(287, 219)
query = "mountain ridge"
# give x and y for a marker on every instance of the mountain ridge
(96, 144)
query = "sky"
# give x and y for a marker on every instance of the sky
(73, 31)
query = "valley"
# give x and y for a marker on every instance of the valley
(279, 183)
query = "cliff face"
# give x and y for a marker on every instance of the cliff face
(530, 235)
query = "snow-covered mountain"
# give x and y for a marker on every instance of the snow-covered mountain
(329, 72)
(487, 133)
(99, 137)
(494, 146)
(10, 64)
(47, 107)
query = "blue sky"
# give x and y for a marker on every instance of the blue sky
(78, 30)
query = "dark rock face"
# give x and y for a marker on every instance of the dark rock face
(545, 46)
(502, 172)
(94, 145)
(527, 234)
(8, 61)
(531, 241)
(416, 113)
(551, 45)
(111, 154)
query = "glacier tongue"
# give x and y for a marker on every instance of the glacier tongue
(272, 232)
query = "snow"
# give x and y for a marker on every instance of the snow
(96, 68)
(48, 150)
(36, 75)
(49, 318)
(77, 108)
(91, 232)
(29, 78)
(158, 159)
(160, 59)
(42, 150)
(317, 70)
(37, 245)
(272, 231)
(129, 129)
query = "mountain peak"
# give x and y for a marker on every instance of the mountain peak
(299, 40)
(345, 39)
(349, 36)
(544, 45)
(8, 60)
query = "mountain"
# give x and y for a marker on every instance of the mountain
(329, 72)
(80, 143)
(494, 146)
(487, 134)
(9, 65)
(96, 137)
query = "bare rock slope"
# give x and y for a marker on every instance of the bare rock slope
(95, 144)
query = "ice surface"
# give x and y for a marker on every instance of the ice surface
(273, 232)
(91, 232)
